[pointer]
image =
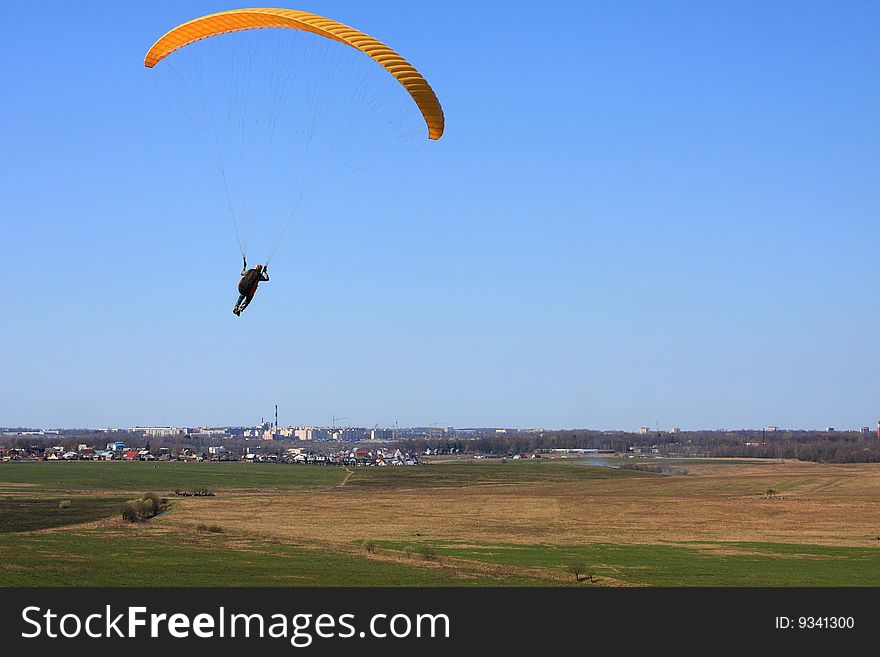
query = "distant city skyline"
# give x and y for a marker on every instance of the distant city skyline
(171, 429)
(640, 214)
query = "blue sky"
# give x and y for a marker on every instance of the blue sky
(641, 213)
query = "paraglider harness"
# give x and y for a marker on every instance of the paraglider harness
(250, 279)
(247, 286)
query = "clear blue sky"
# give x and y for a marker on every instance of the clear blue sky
(641, 212)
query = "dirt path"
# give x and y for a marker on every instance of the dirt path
(348, 473)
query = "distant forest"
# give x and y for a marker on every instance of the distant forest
(819, 446)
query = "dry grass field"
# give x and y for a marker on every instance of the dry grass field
(833, 505)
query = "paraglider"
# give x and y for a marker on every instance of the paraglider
(281, 114)
(236, 20)
(247, 286)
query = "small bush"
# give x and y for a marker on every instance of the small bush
(199, 492)
(64, 504)
(130, 511)
(370, 546)
(655, 469)
(408, 550)
(151, 503)
(140, 510)
(211, 529)
(427, 552)
(639, 467)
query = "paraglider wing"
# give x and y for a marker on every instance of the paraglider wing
(247, 19)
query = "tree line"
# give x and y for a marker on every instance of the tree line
(819, 446)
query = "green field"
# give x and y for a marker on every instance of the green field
(168, 476)
(470, 473)
(31, 514)
(165, 476)
(764, 564)
(152, 557)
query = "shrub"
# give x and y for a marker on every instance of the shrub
(408, 550)
(144, 508)
(130, 511)
(152, 502)
(370, 546)
(64, 504)
(428, 553)
(211, 529)
(639, 467)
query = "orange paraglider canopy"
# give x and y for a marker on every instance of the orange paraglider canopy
(247, 19)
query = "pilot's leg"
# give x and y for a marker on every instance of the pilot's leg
(247, 300)
(238, 307)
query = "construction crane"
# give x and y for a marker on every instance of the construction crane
(333, 421)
